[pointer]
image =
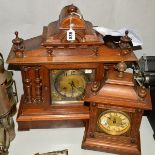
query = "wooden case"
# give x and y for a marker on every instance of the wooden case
(37, 56)
(113, 90)
(122, 96)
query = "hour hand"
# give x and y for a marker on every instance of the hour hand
(72, 84)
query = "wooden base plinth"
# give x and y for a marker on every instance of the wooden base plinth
(25, 126)
(38, 116)
(104, 146)
(112, 146)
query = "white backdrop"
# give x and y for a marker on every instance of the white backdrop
(29, 16)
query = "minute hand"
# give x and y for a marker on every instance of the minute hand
(72, 87)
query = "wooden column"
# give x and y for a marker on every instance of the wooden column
(38, 85)
(27, 85)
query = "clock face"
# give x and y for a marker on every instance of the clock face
(71, 83)
(114, 122)
(68, 86)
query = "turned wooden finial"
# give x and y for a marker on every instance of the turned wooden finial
(126, 35)
(95, 87)
(16, 33)
(121, 67)
(72, 8)
(17, 40)
(142, 92)
(18, 45)
(125, 43)
(126, 38)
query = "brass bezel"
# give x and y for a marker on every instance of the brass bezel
(115, 133)
(80, 73)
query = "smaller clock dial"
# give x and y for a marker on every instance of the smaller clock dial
(114, 122)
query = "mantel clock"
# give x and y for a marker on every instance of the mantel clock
(68, 81)
(55, 71)
(115, 117)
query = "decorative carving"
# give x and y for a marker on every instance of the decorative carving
(18, 46)
(95, 87)
(121, 67)
(38, 85)
(95, 50)
(125, 44)
(27, 85)
(71, 19)
(50, 52)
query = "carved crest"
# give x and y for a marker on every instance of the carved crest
(70, 19)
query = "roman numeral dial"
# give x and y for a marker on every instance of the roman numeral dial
(114, 122)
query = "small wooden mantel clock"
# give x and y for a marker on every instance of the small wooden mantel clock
(70, 80)
(116, 110)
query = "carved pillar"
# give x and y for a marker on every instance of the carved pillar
(27, 85)
(38, 85)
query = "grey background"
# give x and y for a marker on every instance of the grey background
(29, 16)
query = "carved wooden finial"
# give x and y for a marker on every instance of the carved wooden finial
(121, 67)
(126, 38)
(142, 92)
(72, 8)
(95, 87)
(126, 33)
(16, 33)
(18, 45)
(125, 44)
(17, 40)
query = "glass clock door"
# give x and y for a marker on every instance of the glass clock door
(68, 86)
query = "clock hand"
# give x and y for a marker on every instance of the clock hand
(72, 84)
(109, 117)
(72, 90)
(114, 121)
(72, 87)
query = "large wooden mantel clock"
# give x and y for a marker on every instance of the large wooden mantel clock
(70, 79)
